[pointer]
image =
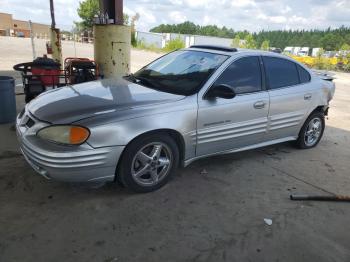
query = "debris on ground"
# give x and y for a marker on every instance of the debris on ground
(204, 172)
(321, 198)
(268, 221)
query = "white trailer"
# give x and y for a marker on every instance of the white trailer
(304, 51)
(288, 50)
(296, 50)
(315, 51)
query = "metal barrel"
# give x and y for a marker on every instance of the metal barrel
(7, 100)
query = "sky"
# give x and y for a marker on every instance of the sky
(251, 15)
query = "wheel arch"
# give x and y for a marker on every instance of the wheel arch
(321, 109)
(178, 138)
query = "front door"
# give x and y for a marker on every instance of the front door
(226, 124)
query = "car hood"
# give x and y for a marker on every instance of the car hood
(72, 103)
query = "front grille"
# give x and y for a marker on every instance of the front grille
(30, 123)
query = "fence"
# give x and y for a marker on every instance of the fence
(151, 39)
(159, 40)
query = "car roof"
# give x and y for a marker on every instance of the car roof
(230, 51)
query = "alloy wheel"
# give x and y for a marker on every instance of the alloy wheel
(313, 131)
(151, 164)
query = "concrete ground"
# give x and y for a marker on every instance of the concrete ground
(213, 210)
(15, 50)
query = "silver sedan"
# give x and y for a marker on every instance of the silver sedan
(188, 104)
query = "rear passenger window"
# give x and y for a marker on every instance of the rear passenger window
(280, 72)
(243, 75)
(303, 75)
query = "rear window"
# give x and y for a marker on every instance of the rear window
(280, 72)
(303, 75)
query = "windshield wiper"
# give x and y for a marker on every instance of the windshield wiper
(131, 77)
(141, 81)
(144, 81)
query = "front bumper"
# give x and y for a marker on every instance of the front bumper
(66, 163)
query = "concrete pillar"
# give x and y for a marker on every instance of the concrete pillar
(112, 49)
(55, 39)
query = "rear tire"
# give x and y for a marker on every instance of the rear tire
(148, 163)
(312, 131)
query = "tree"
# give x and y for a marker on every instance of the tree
(133, 30)
(330, 42)
(249, 42)
(265, 45)
(345, 47)
(86, 11)
(329, 39)
(236, 41)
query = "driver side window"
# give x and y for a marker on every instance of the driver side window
(243, 75)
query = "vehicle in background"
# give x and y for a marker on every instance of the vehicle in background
(304, 51)
(20, 34)
(316, 51)
(342, 53)
(275, 50)
(296, 50)
(288, 50)
(329, 54)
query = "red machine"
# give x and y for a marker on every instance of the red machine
(44, 73)
(79, 70)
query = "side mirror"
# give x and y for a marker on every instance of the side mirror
(221, 91)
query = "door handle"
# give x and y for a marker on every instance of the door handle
(259, 105)
(307, 96)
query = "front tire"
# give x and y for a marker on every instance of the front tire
(312, 131)
(148, 163)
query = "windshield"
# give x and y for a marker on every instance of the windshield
(180, 72)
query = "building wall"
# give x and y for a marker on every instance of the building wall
(15, 27)
(5, 21)
(39, 30)
(151, 39)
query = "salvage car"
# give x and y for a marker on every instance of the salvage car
(186, 105)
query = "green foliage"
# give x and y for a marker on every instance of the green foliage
(86, 11)
(249, 42)
(265, 45)
(133, 39)
(171, 45)
(142, 45)
(345, 47)
(174, 44)
(329, 39)
(321, 62)
(346, 67)
(126, 19)
(192, 29)
(236, 41)
(133, 30)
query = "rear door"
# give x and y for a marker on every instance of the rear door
(290, 93)
(225, 124)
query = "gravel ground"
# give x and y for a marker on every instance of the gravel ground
(213, 210)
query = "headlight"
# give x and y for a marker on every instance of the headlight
(71, 135)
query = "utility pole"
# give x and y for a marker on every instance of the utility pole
(55, 37)
(112, 40)
(32, 38)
